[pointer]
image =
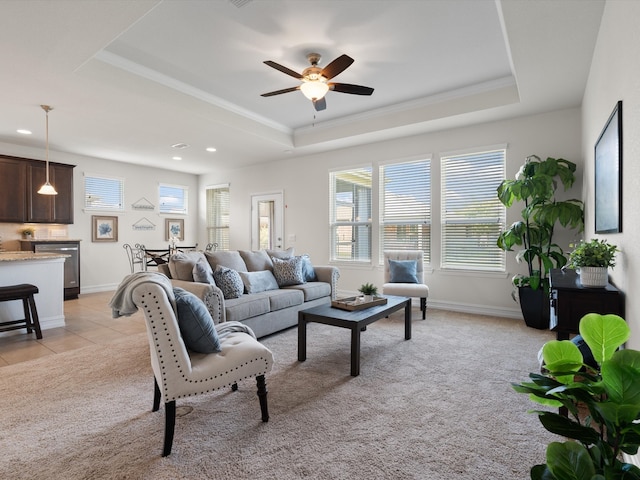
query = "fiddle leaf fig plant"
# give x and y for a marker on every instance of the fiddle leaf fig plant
(602, 401)
(535, 186)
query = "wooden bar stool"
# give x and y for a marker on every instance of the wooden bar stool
(24, 292)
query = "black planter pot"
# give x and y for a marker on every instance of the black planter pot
(535, 307)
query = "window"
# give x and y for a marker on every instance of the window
(472, 215)
(350, 215)
(103, 193)
(218, 216)
(405, 207)
(173, 199)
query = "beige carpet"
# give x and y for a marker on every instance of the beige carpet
(439, 406)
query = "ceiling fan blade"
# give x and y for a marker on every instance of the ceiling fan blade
(336, 67)
(278, 92)
(283, 69)
(320, 104)
(349, 88)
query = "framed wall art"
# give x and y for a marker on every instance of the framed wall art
(174, 228)
(104, 229)
(608, 175)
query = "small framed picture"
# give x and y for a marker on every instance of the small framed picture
(104, 229)
(175, 228)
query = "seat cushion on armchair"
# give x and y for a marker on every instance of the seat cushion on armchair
(195, 323)
(403, 271)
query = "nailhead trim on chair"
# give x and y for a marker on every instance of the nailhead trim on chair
(154, 326)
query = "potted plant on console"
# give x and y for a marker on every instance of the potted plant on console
(535, 185)
(592, 260)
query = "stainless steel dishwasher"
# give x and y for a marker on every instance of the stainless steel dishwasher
(71, 265)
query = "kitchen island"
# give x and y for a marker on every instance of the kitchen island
(45, 271)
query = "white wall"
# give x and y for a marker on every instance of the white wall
(305, 182)
(104, 264)
(615, 75)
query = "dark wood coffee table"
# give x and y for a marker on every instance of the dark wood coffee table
(356, 321)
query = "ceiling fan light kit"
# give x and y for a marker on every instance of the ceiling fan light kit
(315, 80)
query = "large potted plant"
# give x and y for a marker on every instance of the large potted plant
(592, 260)
(602, 401)
(534, 190)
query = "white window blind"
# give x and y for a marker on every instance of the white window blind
(472, 215)
(173, 199)
(103, 193)
(405, 207)
(218, 216)
(350, 215)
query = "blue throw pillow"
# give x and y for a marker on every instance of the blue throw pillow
(196, 325)
(308, 272)
(403, 271)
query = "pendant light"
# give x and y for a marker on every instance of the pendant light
(47, 188)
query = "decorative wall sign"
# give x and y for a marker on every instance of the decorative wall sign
(144, 224)
(104, 229)
(174, 228)
(143, 204)
(608, 175)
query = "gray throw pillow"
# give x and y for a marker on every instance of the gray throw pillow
(195, 323)
(181, 265)
(202, 272)
(256, 282)
(226, 258)
(288, 271)
(403, 271)
(229, 281)
(256, 261)
(288, 253)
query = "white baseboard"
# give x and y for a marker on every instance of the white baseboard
(99, 288)
(459, 307)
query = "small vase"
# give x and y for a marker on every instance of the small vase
(368, 298)
(594, 276)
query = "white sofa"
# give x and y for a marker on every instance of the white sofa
(265, 311)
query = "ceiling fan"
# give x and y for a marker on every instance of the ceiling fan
(315, 80)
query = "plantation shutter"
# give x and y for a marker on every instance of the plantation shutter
(472, 215)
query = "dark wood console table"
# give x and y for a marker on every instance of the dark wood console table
(570, 301)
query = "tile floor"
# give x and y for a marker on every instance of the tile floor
(88, 322)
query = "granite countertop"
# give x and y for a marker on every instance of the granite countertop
(20, 256)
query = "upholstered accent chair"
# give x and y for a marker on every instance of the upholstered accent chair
(404, 276)
(180, 372)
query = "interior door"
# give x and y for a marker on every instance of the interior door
(267, 214)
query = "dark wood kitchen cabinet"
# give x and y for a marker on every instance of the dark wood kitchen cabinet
(20, 179)
(570, 301)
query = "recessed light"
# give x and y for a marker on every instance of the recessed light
(180, 146)
(176, 158)
(24, 131)
(211, 149)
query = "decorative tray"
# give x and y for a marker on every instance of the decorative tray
(357, 303)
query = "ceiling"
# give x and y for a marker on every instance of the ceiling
(129, 79)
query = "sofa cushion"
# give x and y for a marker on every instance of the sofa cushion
(284, 298)
(195, 323)
(288, 253)
(312, 290)
(247, 306)
(403, 271)
(256, 260)
(227, 258)
(288, 271)
(202, 272)
(181, 265)
(229, 281)
(256, 282)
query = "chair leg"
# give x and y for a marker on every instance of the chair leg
(27, 316)
(423, 307)
(156, 395)
(34, 317)
(169, 426)
(262, 395)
